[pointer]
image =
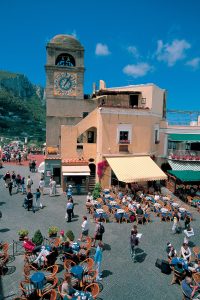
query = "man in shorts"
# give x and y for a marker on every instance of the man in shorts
(84, 229)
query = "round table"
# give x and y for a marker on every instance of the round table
(83, 295)
(38, 279)
(99, 211)
(120, 211)
(77, 271)
(113, 203)
(182, 209)
(164, 210)
(174, 204)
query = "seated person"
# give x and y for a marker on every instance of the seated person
(69, 252)
(30, 246)
(195, 267)
(187, 222)
(190, 290)
(42, 257)
(185, 252)
(139, 211)
(67, 290)
(52, 256)
(171, 252)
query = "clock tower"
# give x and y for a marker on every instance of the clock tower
(64, 85)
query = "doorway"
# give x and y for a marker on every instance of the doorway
(133, 101)
(57, 175)
(92, 169)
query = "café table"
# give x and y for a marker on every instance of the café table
(113, 203)
(182, 209)
(77, 271)
(99, 211)
(94, 202)
(164, 210)
(157, 204)
(174, 204)
(120, 211)
(39, 280)
(83, 295)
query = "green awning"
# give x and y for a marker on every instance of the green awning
(184, 137)
(186, 175)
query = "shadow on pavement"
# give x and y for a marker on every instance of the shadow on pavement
(106, 273)
(1, 203)
(4, 230)
(106, 247)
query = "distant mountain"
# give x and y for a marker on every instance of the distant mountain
(22, 107)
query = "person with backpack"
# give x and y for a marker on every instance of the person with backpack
(99, 231)
(134, 242)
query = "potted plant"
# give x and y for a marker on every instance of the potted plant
(70, 236)
(22, 233)
(37, 238)
(53, 230)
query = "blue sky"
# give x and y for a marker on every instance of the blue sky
(126, 42)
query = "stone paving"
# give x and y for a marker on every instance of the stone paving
(122, 278)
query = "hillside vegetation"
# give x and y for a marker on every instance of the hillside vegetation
(22, 107)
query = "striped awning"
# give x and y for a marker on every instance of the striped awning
(135, 169)
(184, 165)
(186, 176)
(76, 170)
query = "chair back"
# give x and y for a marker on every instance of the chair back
(90, 263)
(68, 263)
(53, 295)
(55, 270)
(93, 288)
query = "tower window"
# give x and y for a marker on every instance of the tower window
(65, 60)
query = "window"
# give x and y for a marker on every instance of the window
(124, 137)
(65, 59)
(156, 132)
(85, 113)
(90, 136)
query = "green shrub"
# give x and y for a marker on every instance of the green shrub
(96, 191)
(70, 235)
(23, 232)
(37, 238)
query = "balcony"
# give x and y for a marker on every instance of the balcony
(124, 142)
(184, 155)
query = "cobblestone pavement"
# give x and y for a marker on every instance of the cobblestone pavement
(122, 278)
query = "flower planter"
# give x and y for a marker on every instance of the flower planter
(52, 235)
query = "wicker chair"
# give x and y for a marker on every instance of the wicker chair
(52, 294)
(90, 277)
(28, 270)
(49, 286)
(5, 247)
(87, 264)
(50, 272)
(68, 263)
(93, 288)
(27, 289)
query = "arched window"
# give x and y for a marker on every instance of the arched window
(65, 60)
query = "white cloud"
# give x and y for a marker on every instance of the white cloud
(102, 49)
(194, 63)
(171, 53)
(134, 51)
(137, 70)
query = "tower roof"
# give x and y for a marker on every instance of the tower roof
(66, 40)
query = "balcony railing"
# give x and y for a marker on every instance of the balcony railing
(187, 155)
(124, 142)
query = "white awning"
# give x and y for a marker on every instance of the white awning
(135, 169)
(76, 170)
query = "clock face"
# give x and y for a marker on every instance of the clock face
(65, 84)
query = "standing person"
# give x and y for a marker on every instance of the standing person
(18, 182)
(175, 224)
(72, 201)
(69, 209)
(29, 183)
(10, 186)
(41, 185)
(7, 178)
(84, 228)
(37, 198)
(69, 191)
(23, 185)
(52, 185)
(99, 231)
(134, 241)
(98, 260)
(14, 178)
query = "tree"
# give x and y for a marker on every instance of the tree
(37, 238)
